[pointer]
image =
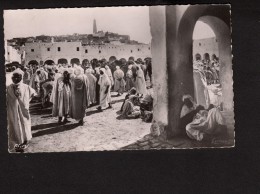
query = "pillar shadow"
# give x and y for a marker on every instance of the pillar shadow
(92, 112)
(56, 129)
(45, 126)
(40, 111)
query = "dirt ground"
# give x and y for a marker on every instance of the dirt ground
(101, 130)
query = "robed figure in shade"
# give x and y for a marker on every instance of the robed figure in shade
(80, 98)
(62, 97)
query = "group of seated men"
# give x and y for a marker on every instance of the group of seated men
(200, 123)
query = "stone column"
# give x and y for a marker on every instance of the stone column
(159, 63)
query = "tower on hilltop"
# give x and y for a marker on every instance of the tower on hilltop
(94, 27)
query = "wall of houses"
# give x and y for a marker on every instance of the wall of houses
(208, 45)
(11, 54)
(69, 50)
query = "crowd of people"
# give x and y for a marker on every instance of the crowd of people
(72, 88)
(207, 85)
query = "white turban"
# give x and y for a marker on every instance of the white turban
(103, 69)
(19, 71)
(97, 70)
(70, 70)
(89, 71)
(77, 71)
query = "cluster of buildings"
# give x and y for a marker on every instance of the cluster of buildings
(207, 45)
(76, 47)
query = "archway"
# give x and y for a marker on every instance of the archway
(112, 59)
(197, 57)
(33, 63)
(206, 57)
(94, 63)
(49, 62)
(62, 61)
(85, 62)
(180, 64)
(131, 59)
(75, 61)
(123, 61)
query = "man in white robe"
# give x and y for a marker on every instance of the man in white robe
(119, 81)
(18, 116)
(140, 83)
(92, 85)
(109, 74)
(206, 123)
(105, 86)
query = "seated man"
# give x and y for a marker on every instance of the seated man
(132, 91)
(208, 122)
(146, 108)
(130, 108)
(188, 112)
(47, 87)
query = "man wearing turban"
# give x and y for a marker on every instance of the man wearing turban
(18, 116)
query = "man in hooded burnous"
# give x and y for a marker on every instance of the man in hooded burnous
(119, 81)
(18, 116)
(61, 97)
(105, 86)
(80, 98)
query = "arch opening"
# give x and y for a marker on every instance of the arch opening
(33, 63)
(181, 82)
(49, 62)
(75, 61)
(62, 61)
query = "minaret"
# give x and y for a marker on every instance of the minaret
(94, 27)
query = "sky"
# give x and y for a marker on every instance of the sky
(133, 21)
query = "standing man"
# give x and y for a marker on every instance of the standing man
(92, 85)
(119, 81)
(80, 98)
(105, 86)
(18, 116)
(149, 70)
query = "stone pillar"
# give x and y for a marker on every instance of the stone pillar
(159, 63)
(226, 72)
(179, 61)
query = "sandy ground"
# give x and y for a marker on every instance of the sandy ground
(101, 130)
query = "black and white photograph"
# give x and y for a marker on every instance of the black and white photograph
(119, 78)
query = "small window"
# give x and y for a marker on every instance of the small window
(48, 49)
(58, 48)
(99, 51)
(77, 48)
(8, 53)
(199, 44)
(138, 49)
(86, 50)
(131, 51)
(149, 48)
(32, 50)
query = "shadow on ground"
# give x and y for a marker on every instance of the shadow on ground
(55, 128)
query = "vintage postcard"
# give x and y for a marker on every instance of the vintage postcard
(119, 78)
